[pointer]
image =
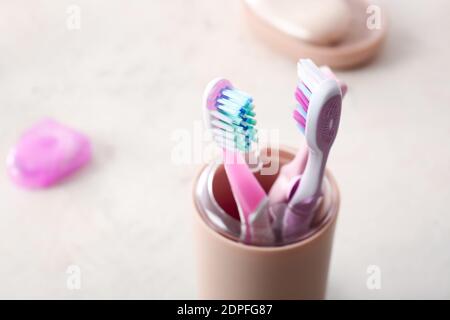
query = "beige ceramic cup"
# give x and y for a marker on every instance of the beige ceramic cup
(228, 269)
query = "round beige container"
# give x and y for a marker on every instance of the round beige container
(231, 270)
(357, 48)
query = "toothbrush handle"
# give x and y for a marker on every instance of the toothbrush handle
(251, 199)
(297, 165)
(278, 191)
(299, 214)
(311, 179)
(245, 187)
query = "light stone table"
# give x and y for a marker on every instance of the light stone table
(132, 76)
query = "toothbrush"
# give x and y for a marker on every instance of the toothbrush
(330, 74)
(318, 116)
(229, 114)
(280, 190)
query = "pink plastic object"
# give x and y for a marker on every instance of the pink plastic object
(47, 153)
(249, 194)
(246, 188)
(282, 187)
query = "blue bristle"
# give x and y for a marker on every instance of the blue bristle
(302, 129)
(305, 90)
(301, 111)
(237, 107)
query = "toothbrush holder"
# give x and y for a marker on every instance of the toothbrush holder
(229, 269)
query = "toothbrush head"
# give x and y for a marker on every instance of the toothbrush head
(319, 110)
(229, 114)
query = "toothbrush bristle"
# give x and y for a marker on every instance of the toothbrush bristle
(299, 118)
(310, 77)
(234, 121)
(302, 99)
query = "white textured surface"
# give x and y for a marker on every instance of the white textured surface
(136, 70)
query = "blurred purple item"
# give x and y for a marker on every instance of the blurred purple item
(47, 153)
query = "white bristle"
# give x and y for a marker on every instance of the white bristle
(229, 104)
(310, 74)
(225, 141)
(316, 73)
(222, 125)
(237, 97)
(305, 77)
(220, 116)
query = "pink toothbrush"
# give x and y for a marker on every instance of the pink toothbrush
(290, 173)
(318, 117)
(229, 114)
